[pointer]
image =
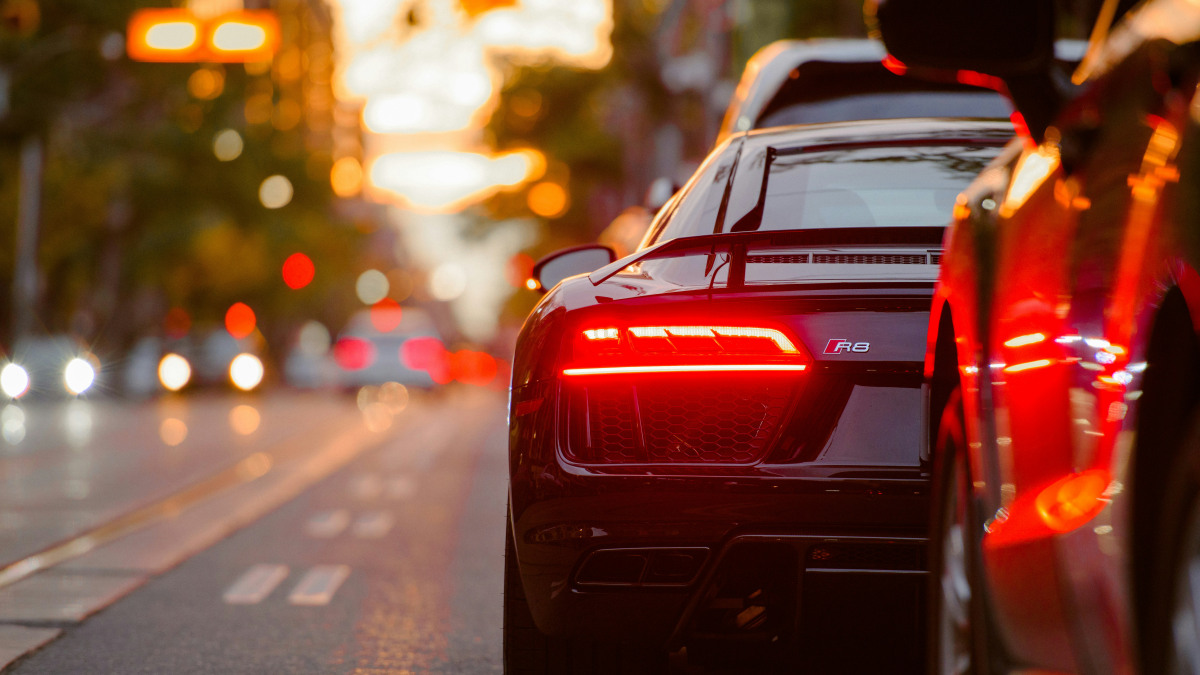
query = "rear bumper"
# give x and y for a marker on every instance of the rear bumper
(792, 535)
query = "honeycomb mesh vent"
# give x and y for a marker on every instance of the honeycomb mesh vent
(722, 422)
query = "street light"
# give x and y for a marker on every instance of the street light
(179, 36)
(163, 35)
(238, 37)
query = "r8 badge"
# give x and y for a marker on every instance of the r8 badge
(839, 345)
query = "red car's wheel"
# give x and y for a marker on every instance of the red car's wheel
(958, 634)
(1172, 639)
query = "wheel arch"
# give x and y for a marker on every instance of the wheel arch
(943, 375)
(1170, 396)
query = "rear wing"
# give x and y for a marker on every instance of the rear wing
(737, 243)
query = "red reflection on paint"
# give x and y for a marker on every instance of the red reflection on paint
(1074, 500)
(353, 353)
(427, 354)
(974, 79)
(1018, 121)
(298, 271)
(240, 320)
(177, 323)
(894, 64)
(386, 315)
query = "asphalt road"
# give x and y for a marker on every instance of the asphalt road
(325, 540)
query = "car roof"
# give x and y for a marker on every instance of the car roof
(785, 73)
(769, 68)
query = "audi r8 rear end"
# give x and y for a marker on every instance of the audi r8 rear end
(716, 443)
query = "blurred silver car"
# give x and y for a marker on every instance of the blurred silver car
(383, 345)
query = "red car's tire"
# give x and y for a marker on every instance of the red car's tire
(1171, 640)
(960, 639)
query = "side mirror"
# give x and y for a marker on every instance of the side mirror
(1009, 39)
(569, 262)
(1004, 38)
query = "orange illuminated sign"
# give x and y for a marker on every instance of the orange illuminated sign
(178, 36)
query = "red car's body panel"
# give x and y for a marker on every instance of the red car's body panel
(1056, 270)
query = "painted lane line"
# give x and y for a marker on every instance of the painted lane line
(255, 584)
(401, 487)
(373, 525)
(318, 586)
(327, 524)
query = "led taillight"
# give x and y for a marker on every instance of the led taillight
(684, 348)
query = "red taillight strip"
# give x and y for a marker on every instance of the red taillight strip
(704, 368)
(781, 341)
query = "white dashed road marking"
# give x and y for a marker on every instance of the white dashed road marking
(327, 524)
(318, 586)
(255, 584)
(373, 525)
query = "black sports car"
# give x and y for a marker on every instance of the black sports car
(716, 443)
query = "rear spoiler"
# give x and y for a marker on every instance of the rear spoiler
(737, 242)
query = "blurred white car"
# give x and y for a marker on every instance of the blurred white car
(51, 365)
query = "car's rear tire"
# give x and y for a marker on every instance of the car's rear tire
(959, 637)
(1171, 642)
(527, 650)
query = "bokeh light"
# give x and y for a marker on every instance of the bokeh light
(519, 269)
(400, 284)
(246, 371)
(227, 145)
(314, 339)
(393, 395)
(275, 192)
(346, 177)
(377, 417)
(174, 372)
(172, 431)
(447, 181)
(177, 323)
(386, 315)
(427, 354)
(78, 422)
(298, 271)
(240, 320)
(448, 281)
(206, 83)
(78, 376)
(239, 36)
(12, 424)
(548, 199)
(14, 380)
(353, 353)
(471, 367)
(244, 419)
(371, 287)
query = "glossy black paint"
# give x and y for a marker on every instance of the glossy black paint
(846, 462)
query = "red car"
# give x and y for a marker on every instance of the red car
(1063, 356)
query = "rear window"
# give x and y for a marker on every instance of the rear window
(890, 186)
(881, 106)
